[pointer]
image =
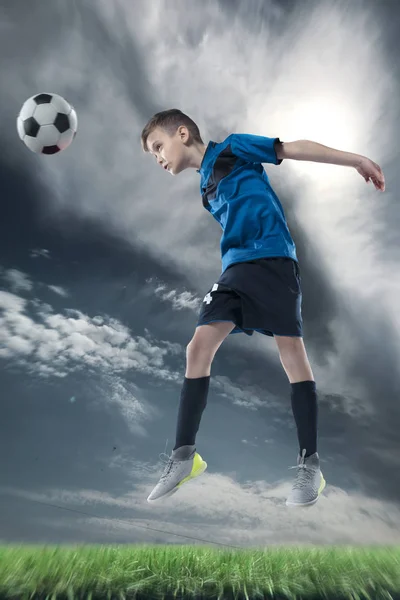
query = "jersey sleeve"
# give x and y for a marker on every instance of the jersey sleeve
(255, 148)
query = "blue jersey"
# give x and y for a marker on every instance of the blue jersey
(236, 191)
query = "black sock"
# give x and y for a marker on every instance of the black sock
(193, 402)
(305, 412)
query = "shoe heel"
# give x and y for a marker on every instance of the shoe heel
(200, 470)
(199, 466)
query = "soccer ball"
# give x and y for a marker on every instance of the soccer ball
(47, 123)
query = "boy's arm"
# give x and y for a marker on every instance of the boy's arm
(306, 150)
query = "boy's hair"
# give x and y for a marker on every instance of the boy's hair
(170, 120)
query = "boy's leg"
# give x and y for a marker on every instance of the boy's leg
(294, 359)
(295, 362)
(200, 353)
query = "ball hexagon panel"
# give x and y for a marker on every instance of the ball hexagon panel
(51, 150)
(48, 135)
(61, 122)
(45, 114)
(31, 127)
(42, 99)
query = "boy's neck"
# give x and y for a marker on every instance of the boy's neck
(197, 156)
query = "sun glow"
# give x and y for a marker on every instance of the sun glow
(323, 120)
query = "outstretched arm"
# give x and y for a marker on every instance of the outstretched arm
(311, 151)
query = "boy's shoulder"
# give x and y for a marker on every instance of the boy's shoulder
(238, 138)
(228, 140)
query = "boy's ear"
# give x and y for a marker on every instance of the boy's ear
(183, 132)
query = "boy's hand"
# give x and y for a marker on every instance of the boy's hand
(371, 171)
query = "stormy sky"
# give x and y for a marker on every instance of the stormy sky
(105, 260)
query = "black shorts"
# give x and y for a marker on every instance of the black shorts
(261, 295)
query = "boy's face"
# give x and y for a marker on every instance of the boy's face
(169, 151)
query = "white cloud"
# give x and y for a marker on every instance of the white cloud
(179, 300)
(74, 342)
(40, 252)
(58, 290)
(17, 280)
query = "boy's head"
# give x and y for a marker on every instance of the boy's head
(175, 141)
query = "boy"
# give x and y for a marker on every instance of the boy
(260, 285)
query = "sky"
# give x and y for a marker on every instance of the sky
(105, 260)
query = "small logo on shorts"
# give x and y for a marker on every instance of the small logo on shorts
(208, 296)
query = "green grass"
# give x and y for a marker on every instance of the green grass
(153, 571)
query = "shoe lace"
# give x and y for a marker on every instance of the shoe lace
(169, 466)
(169, 462)
(303, 473)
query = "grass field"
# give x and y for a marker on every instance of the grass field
(154, 571)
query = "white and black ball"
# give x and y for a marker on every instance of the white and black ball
(47, 123)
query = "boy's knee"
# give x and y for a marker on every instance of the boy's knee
(200, 348)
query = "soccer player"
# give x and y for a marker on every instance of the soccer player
(259, 288)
